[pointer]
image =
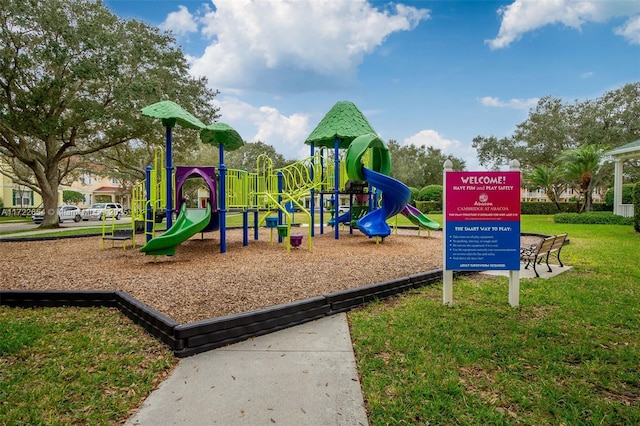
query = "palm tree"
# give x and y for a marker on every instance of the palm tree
(549, 178)
(581, 165)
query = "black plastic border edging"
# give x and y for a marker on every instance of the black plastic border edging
(201, 336)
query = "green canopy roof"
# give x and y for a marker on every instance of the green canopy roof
(171, 114)
(343, 121)
(630, 150)
(221, 134)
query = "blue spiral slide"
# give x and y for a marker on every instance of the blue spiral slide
(395, 194)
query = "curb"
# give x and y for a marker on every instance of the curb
(201, 336)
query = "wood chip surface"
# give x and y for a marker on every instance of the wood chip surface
(201, 283)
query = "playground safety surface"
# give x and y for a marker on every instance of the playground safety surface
(200, 283)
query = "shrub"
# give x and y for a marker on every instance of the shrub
(627, 195)
(72, 197)
(414, 195)
(592, 218)
(429, 206)
(534, 207)
(431, 193)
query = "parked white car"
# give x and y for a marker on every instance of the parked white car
(100, 211)
(64, 213)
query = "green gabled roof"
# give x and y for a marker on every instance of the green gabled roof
(221, 134)
(629, 150)
(171, 114)
(343, 121)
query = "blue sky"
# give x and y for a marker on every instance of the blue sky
(434, 73)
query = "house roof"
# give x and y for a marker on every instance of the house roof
(107, 189)
(630, 150)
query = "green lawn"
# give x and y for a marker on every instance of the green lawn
(75, 366)
(570, 354)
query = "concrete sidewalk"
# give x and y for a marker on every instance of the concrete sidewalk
(303, 375)
(529, 272)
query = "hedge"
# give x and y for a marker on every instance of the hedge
(527, 207)
(598, 218)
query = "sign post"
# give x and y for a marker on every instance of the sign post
(481, 225)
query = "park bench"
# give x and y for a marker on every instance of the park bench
(537, 252)
(118, 235)
(556, 247)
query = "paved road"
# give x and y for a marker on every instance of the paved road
(30, 226)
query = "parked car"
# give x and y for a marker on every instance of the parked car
(101, 211)
(64, 213)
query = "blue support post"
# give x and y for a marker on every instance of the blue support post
(255, 225)
(222, 202)
(245, 227)
(149, 213)
(169, 168)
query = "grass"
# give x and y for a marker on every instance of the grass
(14, 219)
(75, 366)
(569, 354)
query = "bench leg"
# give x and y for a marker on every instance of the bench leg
(534, 269)
(547, 261)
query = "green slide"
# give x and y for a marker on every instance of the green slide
(418, 218)
(188, 224)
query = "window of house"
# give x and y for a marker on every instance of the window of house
(22, 197)
(86, 179)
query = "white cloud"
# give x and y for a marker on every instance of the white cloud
(286, 133)
(523, 16)
(511, 103)
(431, 138)
(180, 22)
(630, 30)
(279, 45)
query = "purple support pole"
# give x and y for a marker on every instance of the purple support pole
(222, 201)
(149, 212)
(169, 168)
(312, 205)
(336, 190)
(280, 189)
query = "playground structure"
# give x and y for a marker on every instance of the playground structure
(272, 195)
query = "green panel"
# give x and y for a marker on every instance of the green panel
(343, 121)
(171, 114)
(217, 134)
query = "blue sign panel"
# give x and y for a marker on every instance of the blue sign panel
(480, 245)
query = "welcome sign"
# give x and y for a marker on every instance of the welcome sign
(482, 216)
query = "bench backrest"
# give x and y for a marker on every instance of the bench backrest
(558, 242)
(546, 245)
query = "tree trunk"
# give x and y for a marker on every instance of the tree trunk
(49, 188)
